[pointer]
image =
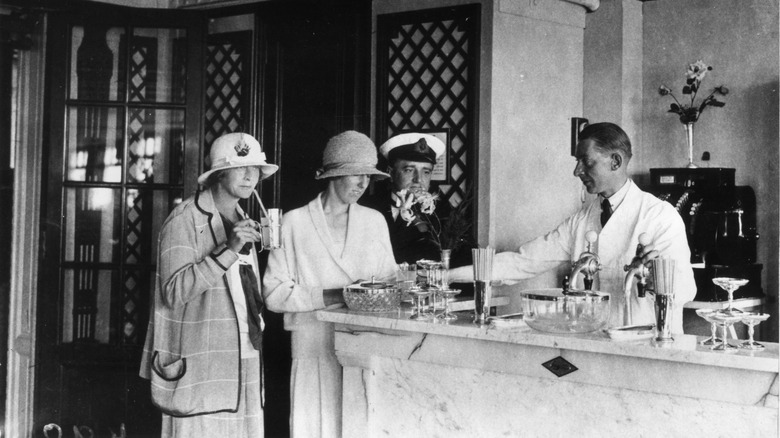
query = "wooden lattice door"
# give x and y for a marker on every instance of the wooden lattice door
(123, 150)
(427, 81)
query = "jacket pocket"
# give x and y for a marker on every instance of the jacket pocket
(170, 372)
(171, 390)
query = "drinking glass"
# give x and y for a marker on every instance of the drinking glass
(271, 229)
(483, 274)
(752, 320)
(730, 285)
(662, 271)
(447, 294)
(406, 278)
(707, 315)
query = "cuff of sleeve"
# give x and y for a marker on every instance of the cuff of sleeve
(224, 257)
(318, 300)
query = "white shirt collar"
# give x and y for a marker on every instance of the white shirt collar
(616, 199)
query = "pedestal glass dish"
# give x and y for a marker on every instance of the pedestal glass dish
(447, 295)
(419, 296)
(752, 320)
(713, 340)
(730, 284)
(725, 321)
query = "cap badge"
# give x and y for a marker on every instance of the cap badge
(242, 149)
(421, 145)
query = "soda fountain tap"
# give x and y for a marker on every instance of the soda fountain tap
(588, 263)
(636, 269)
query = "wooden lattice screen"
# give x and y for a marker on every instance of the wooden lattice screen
(427, 81)
(228, 69)
(228, 91)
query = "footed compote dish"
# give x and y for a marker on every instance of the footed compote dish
(730, 284)
(752, 320)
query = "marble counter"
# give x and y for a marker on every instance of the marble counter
(413, 378)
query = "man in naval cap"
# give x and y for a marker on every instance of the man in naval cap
(411, 158)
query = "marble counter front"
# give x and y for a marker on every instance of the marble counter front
(411, 378)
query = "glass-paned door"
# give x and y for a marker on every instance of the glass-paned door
(124, 144)
(123, 153)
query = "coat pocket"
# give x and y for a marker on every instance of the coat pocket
(171, 389)
(171, 371)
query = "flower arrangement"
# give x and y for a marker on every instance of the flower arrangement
(416, 208)
(693, 77)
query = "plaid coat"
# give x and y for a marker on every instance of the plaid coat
(192, 350)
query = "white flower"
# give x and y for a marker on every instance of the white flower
(412, 203)
(697, 70)
(427, 202)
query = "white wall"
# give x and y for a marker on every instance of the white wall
(536, 89)
(740, 40)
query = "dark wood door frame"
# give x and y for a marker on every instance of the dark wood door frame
(95, 364)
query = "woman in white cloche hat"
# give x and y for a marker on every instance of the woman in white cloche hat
(203, 349)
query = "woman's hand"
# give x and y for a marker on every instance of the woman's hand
(244, 231)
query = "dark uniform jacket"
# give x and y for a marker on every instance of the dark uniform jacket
(411, 242)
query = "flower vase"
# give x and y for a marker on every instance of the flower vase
(689, 140)
(445, 258)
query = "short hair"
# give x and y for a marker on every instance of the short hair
(608, 137)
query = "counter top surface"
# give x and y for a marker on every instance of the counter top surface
(685, 348)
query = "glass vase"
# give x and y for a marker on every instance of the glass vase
(689, 139)
(445, 258)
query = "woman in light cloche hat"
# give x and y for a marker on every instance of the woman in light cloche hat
(204, 342)
(326, 245)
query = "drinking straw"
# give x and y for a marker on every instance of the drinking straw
(260, 201)
(483, 263)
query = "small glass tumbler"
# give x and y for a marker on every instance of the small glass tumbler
(271, 229)
(406, 278)
(483, 274)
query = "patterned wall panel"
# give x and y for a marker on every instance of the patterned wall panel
(228, 65)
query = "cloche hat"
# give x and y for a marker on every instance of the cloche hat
(349, 153)
(412, 146)
(237, 150)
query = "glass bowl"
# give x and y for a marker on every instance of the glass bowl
(372, 296)
(576, 311)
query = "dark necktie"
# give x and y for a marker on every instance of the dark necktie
(254, 301)
(606, 211)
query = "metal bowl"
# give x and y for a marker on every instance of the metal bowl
(576, 311)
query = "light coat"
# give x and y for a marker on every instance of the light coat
(192, 351)
(295, 277)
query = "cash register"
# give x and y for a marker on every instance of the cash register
(720, 222)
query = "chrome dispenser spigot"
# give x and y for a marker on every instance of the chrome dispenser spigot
(636, 269)
(588, 263)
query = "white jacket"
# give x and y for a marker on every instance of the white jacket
(640, 212)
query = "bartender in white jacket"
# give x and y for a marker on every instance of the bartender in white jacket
(603, 154)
